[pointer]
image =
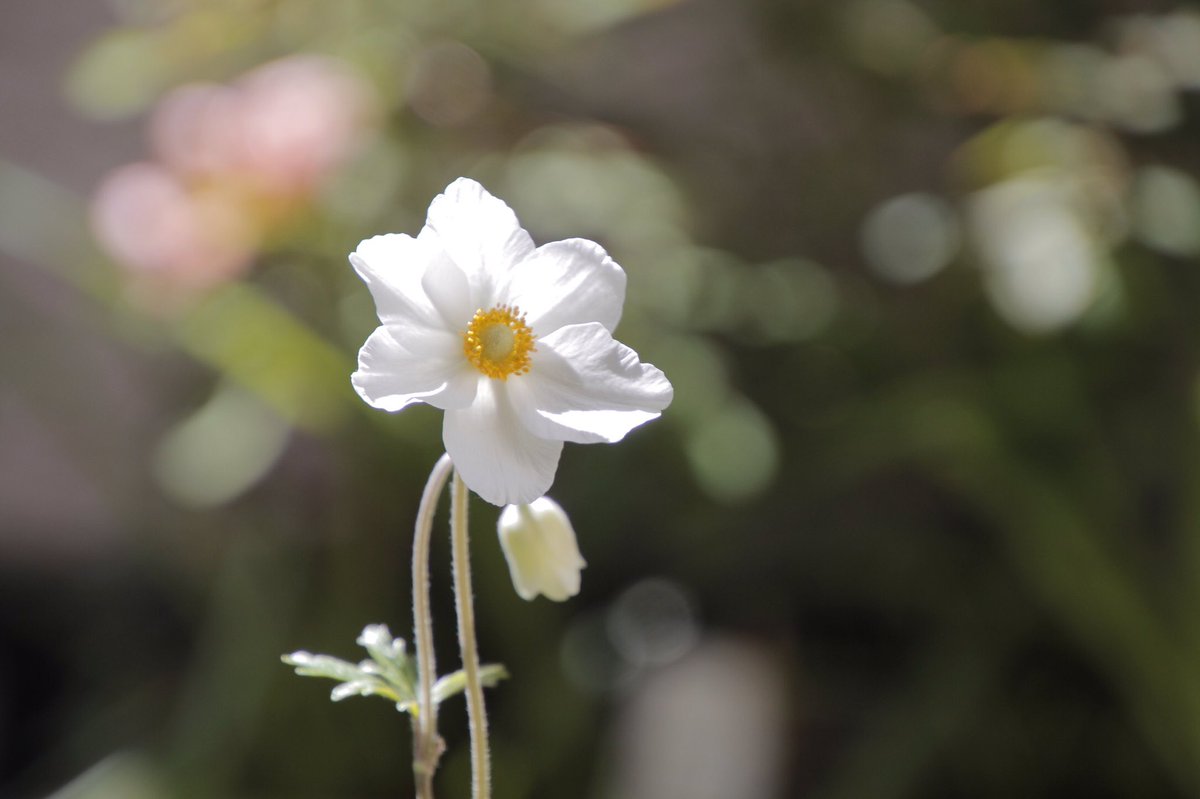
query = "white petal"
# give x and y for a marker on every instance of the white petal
(567, 283)
(448, 290)
(541, 549)
(405, 363)
(586, 387)
(497, 457)
(392, 266)
(480, 232)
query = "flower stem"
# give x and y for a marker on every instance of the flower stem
(427, 746)
(481, 779)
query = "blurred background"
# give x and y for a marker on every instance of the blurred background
(922, 521)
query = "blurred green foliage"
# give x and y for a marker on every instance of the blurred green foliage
(924, 277)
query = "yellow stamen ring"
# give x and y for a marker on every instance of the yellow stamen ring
(498, 342)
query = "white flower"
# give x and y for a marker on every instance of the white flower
(539, 545)
(513, 342)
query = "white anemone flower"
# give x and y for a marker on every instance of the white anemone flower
(514, 342)
(540, 547)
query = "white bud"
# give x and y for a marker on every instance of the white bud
(539, 545)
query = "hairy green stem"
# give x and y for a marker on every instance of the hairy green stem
(481, 779)
(427, 746)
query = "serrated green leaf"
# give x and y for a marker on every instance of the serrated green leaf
(378, 641)
(310, 665)
(368, 687)
(391, 656)
(450, 685)
(390, 673)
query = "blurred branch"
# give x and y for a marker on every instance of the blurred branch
(1097, 597)
(43, 224)
(237, 329)
(1098, 601)
(243, 333)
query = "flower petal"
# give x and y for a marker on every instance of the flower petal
(567, 283)
(404, 363)
(497, 457)
(448, 290)
(586, 387)
(392, 266)
(480, 232)
(541, 549)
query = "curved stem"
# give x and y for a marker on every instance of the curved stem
(481, 783)
(427, 746)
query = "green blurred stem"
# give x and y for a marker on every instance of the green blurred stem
(481, 780)
(427, 746)
(1097, 598)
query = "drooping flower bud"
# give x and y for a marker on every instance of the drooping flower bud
(540, 547)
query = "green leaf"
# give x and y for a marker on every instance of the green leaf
(452, 684)
(387, 674)
(119, 74)
(390, 673)
(310, 665)
(390, 657)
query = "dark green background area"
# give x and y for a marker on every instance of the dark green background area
(929, 547)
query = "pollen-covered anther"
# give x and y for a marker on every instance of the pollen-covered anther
(498, 342)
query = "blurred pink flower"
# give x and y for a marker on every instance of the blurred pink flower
(193, 130)
(299, 118)
(234, 164)
(283, 127)
(152, 223)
